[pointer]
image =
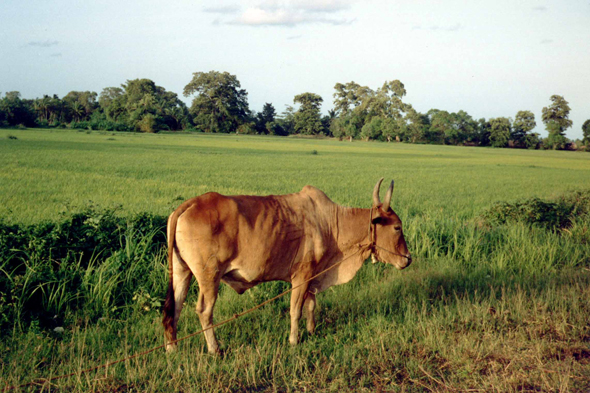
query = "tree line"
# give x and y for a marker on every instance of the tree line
(220, 105)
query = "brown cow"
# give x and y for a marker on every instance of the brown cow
(245, 240)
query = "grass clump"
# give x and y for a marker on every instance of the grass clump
(549, 214)
(93, 262)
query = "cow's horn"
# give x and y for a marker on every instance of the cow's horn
(387, 201)
(376, 200)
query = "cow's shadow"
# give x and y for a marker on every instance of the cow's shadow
(431, 290)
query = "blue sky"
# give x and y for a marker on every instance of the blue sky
(489, 58)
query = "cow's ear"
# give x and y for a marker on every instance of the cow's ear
(377, 220)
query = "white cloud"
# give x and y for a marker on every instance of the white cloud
(321, 5)
(293, 12)
(227, 9)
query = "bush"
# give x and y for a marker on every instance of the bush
(552, 215)
(42, 123)
(93, 261)
(147, 123)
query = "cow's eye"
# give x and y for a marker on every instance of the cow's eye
(397, 228)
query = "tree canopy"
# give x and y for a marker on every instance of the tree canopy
(556, 119)
(220, 104)
(308, 119)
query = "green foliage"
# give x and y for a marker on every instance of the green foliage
(373, 128)
(307, 119)
(586, 134)
(557, 114)
(81, 263)
(523, 123)
(499, 131)
(147, 123)
(265, 117)
(246, 129)
(556, 119)
(15, 111)
(555, 140)
(551, 215)
(220, 105)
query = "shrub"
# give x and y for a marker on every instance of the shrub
(93, 261)
(552, 215)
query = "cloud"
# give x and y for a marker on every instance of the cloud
(294, 37)
(227, 9)
(294, 12)
(540, 8)
(546, 41)
(55, 54)
(327, 6)
(43, 44)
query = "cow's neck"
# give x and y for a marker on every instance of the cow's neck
(353, 244)
(353, 230)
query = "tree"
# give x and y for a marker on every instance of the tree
(15, 111)
(417, 124)
(373, 129)
(356, 106)
(287, 120)
(349, 96)
(267, 115)
(483, 132)
(80, 104)
(275, 128)
(524, 122)
(308, 119)
(586, 133)
(441, 126)
(220, 104)
(556, 120)
(141, 105)
(465, 126)
(500, 131)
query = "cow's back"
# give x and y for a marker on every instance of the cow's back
(252, 239)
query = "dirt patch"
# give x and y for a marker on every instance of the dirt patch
(579, 354)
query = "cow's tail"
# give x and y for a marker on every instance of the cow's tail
(169, 304)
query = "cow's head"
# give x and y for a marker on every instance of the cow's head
(390, 245)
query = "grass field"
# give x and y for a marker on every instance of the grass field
(489, 308)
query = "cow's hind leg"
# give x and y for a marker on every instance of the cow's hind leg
(208, 289)
(177, 291)
(309, 308)
(297, 298)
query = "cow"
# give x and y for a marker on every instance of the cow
(244, 240)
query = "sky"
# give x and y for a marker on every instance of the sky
(488, 58)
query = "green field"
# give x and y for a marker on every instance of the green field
(482, 308)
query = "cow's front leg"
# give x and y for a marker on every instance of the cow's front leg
(297, 298)
(309, 308)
